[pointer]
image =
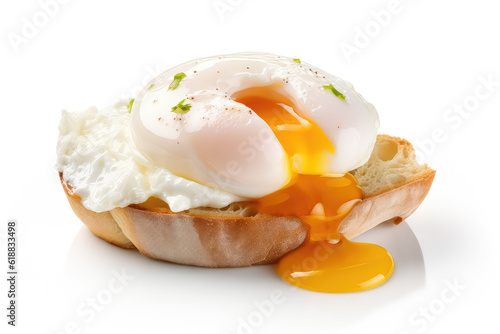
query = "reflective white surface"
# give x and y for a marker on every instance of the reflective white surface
(167, 289)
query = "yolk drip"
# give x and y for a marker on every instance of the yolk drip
(322, 201)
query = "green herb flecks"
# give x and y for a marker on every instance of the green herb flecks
(151, 86)
(297, 60)
(177, 80)
(334, 91)
(181, 108)
(129, 106)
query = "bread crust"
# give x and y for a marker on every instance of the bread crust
(102, 224)
(210, 241)
(394, 205)
(214, 240)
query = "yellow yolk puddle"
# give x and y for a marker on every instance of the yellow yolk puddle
(327, 261)
(342, 267)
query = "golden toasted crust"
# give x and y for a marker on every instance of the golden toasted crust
(102, 224)
(211, 238)
(210, 241)
(396, 205)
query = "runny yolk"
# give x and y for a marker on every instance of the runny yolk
(295, 133)
(327, 261)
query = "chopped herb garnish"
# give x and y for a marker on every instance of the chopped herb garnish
(151, 86)
(177, 80)
(129, 106)
(334, 91)
(181, 108)
(297, 60)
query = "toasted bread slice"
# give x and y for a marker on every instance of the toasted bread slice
(237, 235)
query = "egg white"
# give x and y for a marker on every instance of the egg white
(100, 163)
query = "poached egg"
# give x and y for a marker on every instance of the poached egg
(239, 107)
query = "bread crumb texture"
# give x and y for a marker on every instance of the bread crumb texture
(392, 164)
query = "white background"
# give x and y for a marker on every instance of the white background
(422, 60)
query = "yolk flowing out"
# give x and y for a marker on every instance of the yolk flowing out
(327, 261)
